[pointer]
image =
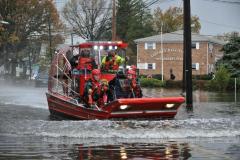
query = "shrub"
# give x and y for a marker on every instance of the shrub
(173, 84)
(202, 77)
(151, 82)
(221, 80)
(157, 76)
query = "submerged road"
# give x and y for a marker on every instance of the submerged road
(212, 131)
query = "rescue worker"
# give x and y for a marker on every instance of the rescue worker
(86, 61)
(74, 60)
(112, 61)
(134, 69)
(95, 92)
(135, 87)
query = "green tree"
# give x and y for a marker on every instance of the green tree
(28, 22)
(231, 56)
(133, 21)
(172, 20)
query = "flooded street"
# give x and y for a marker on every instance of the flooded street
(211, 131)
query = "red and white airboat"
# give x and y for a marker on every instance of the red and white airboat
(65, 90)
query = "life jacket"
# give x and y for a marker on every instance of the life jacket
(111, 63)
(136, 88)
(85, 62)
(99, 93)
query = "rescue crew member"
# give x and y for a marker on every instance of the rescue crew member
(86, 61)
(95, 92)
(134, 84)
(112, 61)
(74, 60)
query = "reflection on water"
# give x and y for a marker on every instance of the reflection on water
(198, 95)
(39, 148)
(171, 150)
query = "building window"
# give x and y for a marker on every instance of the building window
(195, 45)
(195, 66)
(146, 65)
(150, 45)
(150, 66)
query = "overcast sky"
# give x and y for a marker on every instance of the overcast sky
(216, 16)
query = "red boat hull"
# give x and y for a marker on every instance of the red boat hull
(121, 108)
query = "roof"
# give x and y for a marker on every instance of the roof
(177, 36)
(119, 44)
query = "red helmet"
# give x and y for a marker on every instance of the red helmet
(133, 67)
(96, 72)
(131, 72)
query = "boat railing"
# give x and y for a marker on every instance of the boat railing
(62, 83)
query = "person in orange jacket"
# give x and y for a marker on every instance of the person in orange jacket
(96, 91)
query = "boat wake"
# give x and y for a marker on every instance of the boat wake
(165, 129)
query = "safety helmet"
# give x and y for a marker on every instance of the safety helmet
(131, 72)
(111, 52)
(133, 67)
(96, 72)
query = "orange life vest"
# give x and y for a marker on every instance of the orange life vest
(85, 63)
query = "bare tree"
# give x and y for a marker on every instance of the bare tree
(90, 19)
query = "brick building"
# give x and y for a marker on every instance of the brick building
(150, 59)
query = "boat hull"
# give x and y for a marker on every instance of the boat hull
(62, 105)
(120, 109)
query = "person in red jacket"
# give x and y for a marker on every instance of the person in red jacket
(134, 84)
(95, 91)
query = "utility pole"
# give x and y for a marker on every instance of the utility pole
(162, 50)
(113, 20)
(188, 53)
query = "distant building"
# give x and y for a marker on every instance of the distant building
(205, 54)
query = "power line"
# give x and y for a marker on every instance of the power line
(225, 1)
(220, 24)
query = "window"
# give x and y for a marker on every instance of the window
(150, 45)
(195, 66)
(146, 65)
(150, 66)
(195, 45)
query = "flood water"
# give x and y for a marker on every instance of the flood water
(211, 131)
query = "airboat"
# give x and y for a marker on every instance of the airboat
(66, 89)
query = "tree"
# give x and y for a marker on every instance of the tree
(227, 36)
(172, 20)
(90, 19)
(133, 21)
(28, 21)
(231, 56)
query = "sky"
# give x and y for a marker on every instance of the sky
(216, 16)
